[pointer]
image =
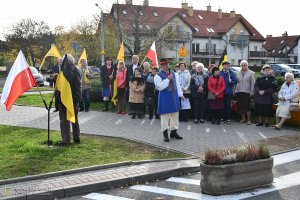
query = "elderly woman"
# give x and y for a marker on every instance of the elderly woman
(193, 69)
(199, 92)
(288, 94)
(265, 86)
(137, 87)
(184, 78)
(216, 86)
(244, 90)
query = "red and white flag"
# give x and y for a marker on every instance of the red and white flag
(18, 81)
(151, 54)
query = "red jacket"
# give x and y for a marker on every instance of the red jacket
(212, 82)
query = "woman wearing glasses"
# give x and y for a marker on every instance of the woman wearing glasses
(244, 91)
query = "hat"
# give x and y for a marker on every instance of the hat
(214, 69)
(108, 58)
(163, 61)
(225, 63)
(266, 66)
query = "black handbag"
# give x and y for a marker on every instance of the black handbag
(275, 98)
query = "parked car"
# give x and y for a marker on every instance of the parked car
(281, 69)
(96, 70)
(38, 77)
(236, 69)
(295, 66)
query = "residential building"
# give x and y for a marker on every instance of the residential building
(203, 33)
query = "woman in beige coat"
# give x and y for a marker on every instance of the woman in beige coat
(137, 87)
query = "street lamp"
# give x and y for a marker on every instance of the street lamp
(102, 35)
(286, 44)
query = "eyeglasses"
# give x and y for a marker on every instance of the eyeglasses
(243, 65)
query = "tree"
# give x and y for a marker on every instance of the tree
(32, 37)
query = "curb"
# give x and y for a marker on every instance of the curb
(85, 169)
(48, 194)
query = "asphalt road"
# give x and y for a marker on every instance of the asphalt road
(188, 187)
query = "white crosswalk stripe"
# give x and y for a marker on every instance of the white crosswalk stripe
(286, 157)
(97, 196)
(184, 180)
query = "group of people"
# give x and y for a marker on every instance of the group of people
(178, 95)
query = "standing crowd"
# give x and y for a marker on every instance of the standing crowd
(179, 95)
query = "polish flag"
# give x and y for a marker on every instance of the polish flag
(18, 81)
(151, 54)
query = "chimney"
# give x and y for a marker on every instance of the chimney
(190, 11)
(146, 3)
(184, 5)
(219, 13)
(269, 36)
(129, 2)
(232, 14)
(209, 8)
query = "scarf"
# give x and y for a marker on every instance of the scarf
(199, 80)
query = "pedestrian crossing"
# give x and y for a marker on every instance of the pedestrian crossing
(188, 187)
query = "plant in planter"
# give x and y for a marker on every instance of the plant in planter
(236, 169)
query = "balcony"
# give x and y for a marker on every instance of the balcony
(241, 41)
(204, 53)
(258, 54)
(177, 36)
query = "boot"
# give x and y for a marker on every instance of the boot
(140, 115)
(175, 135)
(166, 136)
(133, 115)
(113, 107)
(106, 106)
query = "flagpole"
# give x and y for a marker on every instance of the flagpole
(143, 61)
(48, 109)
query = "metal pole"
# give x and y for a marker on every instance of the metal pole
(209, 51)
(102, 39)
(286, 43)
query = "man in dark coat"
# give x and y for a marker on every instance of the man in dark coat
(108, 75)
(53, 76)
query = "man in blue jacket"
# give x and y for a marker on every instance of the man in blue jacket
(230, 82)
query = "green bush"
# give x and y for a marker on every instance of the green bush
(96, 90)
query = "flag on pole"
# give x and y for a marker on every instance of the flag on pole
(223, 58)
(115, 90)
(64, 87)
(52, 52)
(83, 56)
(19, 80)
(152, 55)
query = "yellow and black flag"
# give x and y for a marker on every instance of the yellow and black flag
(223, 58)
(64, 87)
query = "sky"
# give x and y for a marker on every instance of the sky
(267, 16)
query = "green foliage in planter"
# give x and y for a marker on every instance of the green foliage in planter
(96, 92)
(236, 154)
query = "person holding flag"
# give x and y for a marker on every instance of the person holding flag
(68, 85)
(87, 75)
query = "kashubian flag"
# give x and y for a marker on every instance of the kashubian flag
(52, 52)
(83, 56)
(64, 87)
(223, 58)
(115, 90)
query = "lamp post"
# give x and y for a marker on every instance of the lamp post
(102, 35)
(286, 44)
(76, 46)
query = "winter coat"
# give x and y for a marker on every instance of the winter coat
(184, 78)
(139, 84)
(214, 88)
(105, 73)
(290, 93)
(268, 85)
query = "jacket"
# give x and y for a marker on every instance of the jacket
(104, 74)
(184, 78)
(290, 93)
(137, 97)
(194, 87)
(130, 72)
(268, 85)
(229, 86)
(85, 78)
(245, 82)
(214, 88)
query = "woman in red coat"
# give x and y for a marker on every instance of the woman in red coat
(216, 86)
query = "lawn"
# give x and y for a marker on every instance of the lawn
(24, 152)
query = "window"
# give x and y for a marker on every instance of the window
(178, 28)
(255, 48)
(208, 29)
(140, 26)
(170, 29)
(197, 29)
(141, 13)
(155, 14)
(282, 41)
(200, 16)
(264, 42)
(241, 31)
(195, 48)
(184, 15)
(212, 30)
(148, 27)
(124, 12)
(133, 25)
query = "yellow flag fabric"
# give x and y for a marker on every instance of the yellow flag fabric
(83, 56)
(182, 51)
(224, 57)
(115, 90)
(52, 52)
(63, 85)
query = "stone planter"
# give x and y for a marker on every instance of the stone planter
(236, 177)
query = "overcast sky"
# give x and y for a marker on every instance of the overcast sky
(268, 17)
